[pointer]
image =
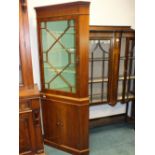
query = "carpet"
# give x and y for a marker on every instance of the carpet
(116, 139)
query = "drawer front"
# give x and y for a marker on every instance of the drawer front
(24, 105)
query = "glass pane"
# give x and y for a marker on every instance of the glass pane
(106, 69)
(98, 58)
(97, 88)
(130, 70)
(98, 69)
(59, 54)
(120, 90)
(123, 43)
(105, 90)
(99, 95)
(47, 40)
(121, 68)
(49, 73)
(132, 86)
(131, 67)
(98, 48)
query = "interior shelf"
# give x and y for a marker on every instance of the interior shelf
(119, 98)
(61, 69)
(99, 59)
(124, 58)
(98, 80)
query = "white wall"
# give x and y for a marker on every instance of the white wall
(102, 12)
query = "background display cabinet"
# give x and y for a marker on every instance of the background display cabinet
(30, 134)
(63, 38)
(111, 64)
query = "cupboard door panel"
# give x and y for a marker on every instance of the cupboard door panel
(51, 121)
(25, 133)
(126, 70)
(69, 125)
(73, 122)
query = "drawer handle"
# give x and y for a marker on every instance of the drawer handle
(58, 123)
(44, 96)
(61, 124)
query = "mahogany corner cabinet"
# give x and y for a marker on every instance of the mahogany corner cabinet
(63, 39)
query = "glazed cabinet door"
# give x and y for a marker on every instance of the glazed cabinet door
(103, 66)
(99, 56)
(126, 81)
(26, 133)
(58, 56)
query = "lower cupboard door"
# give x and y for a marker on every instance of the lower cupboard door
(51, 121)
(25, 133)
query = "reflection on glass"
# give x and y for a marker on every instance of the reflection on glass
(98, 70)
(59, 54)
(126, 69)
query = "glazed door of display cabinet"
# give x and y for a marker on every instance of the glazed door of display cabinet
(103, 67)
(99, 55)
(126, 81)
(59, 57)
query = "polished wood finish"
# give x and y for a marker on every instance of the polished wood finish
(110, 28)
(30, 134)
(26, 132)
(60, 10)
(64, 125)
(114, 69)
(25, 92)
(65, 114)
(24, 45)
